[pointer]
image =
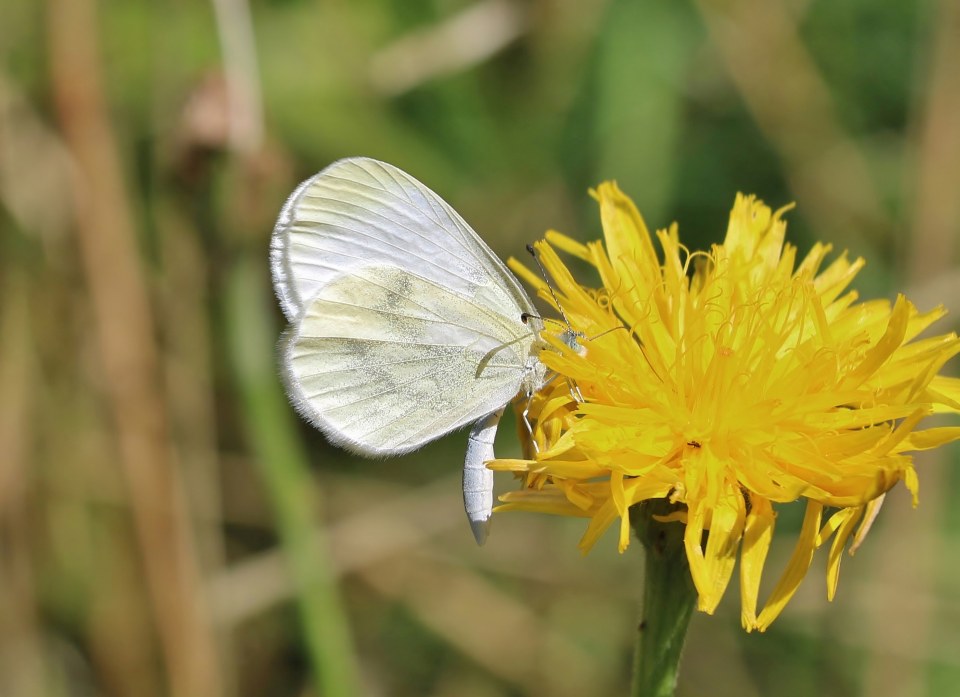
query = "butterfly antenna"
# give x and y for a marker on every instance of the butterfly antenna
(553, 294)
(571, 334)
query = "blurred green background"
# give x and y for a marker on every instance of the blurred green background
(169, 527)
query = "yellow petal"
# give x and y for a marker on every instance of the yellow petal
(601, 520)
(946, 392)
(844, 521)
(891, 340)
(796, 567)
(568, 245)
(912, 482)
(628, 240)
(723, 540)
(757, 535)
(870, 514)
(929, 438)
(692, 537)
(526, 275)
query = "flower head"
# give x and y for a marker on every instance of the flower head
(727, 382)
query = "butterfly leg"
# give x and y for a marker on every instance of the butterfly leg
(477, 479)
(526, 422)
(525, 414)
(575, 392)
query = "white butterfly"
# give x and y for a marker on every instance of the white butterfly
(404, 325)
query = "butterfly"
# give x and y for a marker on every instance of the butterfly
(404, 325)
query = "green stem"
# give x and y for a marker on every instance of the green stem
(668, 601)
(292, 491)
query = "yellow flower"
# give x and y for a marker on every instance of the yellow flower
(727, 382)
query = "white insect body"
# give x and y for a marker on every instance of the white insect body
(404, 325)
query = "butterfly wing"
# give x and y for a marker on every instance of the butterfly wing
(405, 324)
(383, 361)
(361, 212)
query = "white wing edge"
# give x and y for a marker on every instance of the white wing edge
(290, 304)
(477, 478)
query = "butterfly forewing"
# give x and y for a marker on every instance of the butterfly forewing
(360, 212)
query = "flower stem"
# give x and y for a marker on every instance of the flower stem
(668, 600)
